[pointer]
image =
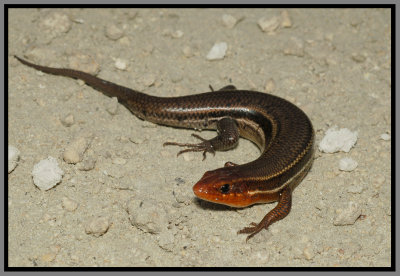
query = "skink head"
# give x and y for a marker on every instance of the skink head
(223, 186)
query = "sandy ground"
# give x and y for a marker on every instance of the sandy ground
(334, 64)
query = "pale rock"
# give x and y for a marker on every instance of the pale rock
(47, 174)
(338, 140)
(218, 51)
(13, 157)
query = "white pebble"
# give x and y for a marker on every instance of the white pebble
(347, 215)
(347, 164)
(121, 64)
(338, 140)
(47, 174)
(218, 51)
(13, 157)
(97, 226)
(385, 136)
(269, 25)
(229, 21)
(69, 204)
(74, 151)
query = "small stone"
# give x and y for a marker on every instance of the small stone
(13, 157)
(125, 41)
(177, 34)
(187, 51)
(47, 174)
(329, 37)
(176, 77)
(121, 64)
(379, 180)
(78, 20)
(338, 140)
(166, 32)
(385, 137)
(308, 253)
(269, 25)
(113, 32)
(112, 106)
(355, 189)
(119, 161)
(69, 204)
(218, 51)
(347, 164)
(55, 248)
(229, 21)
(294, 47)
(388, 210)
(84, 63)
(358, 57)
(270, 86)
(181, 194)
(347, 215)
(47, 217)
(165, 153)
(87, 164)
(188, 156)
(285, 19)
(130, 13)
(49, 257)
(148, 80)
(68, 120)
(97, 226)
(40, 54)
(56, 22)
(147, 215)
(74, 151)
(148, 49)
(166, 240)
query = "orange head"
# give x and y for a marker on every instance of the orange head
(223, 186)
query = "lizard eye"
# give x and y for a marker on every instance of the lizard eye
(224, 189)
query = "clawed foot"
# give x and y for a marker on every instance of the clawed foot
(205, 146)
(252, 230)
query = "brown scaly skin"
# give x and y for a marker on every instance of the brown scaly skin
(283, 133)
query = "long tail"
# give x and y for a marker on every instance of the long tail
(110, 89)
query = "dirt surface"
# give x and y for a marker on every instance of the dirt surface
(129, 202)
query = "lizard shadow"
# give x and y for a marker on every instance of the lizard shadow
(213, 206)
